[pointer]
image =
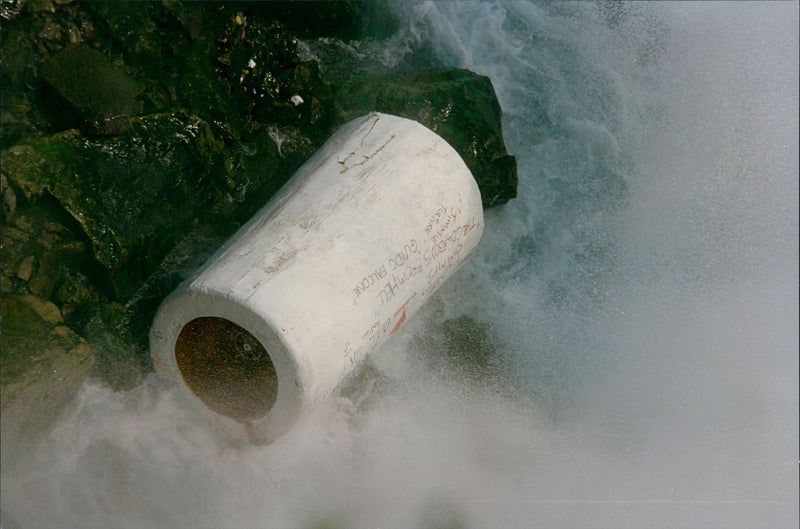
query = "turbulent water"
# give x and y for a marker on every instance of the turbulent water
(640, 296)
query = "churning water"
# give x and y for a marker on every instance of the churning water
(638, 304)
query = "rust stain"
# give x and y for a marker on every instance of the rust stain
(255, 435)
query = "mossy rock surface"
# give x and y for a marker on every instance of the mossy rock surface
(133, 195)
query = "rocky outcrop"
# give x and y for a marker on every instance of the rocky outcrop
(133, 195)
(459, 105)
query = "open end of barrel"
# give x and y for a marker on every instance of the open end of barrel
(227, 368)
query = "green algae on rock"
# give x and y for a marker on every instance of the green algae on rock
(133, 195)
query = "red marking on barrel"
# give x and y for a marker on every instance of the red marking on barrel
(403, 315)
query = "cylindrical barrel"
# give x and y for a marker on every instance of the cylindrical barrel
(297, 299)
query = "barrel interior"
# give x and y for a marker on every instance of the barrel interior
(227, 368)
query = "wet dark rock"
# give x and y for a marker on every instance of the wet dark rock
(179, 264)
(459, 105)
(43, 257)
(17, 55)
(266, 80)
(133, 195)
(9, 199)
(136, 27)
(85, 90)
(170, 49)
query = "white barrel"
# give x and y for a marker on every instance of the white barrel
(290, 306)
